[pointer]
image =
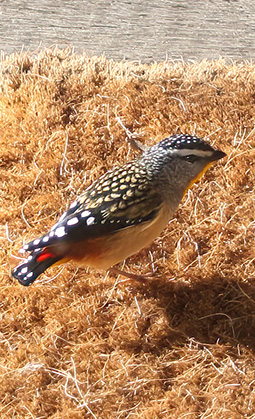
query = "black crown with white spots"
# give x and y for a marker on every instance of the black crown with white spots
(184, 141)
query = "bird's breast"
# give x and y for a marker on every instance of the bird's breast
(104, 252)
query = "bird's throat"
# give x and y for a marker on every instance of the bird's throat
(198, 177)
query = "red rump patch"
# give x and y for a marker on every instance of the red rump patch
(44, 256)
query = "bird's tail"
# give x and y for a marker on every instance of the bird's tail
(36, 263)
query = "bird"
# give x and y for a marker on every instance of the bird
(122, 211)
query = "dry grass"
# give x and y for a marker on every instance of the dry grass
(87, 345)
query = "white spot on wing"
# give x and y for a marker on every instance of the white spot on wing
(45, 239)
(36, 241)
(60, 231)
(30, 274)
(90, 221)
(73, 221)
(85, 214)
(24, 270)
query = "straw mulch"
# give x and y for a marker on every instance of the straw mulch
(81, 343)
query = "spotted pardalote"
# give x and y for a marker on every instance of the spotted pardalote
(124, 210)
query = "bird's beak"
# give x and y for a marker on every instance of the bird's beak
(217, 155)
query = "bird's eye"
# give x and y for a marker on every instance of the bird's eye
(191, 158)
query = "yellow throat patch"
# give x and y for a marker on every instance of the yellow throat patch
(198, 177)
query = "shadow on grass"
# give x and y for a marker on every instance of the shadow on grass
(212, 311)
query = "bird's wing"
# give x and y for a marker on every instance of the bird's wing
(120, 199)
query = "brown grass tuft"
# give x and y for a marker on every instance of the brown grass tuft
(87, 345)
